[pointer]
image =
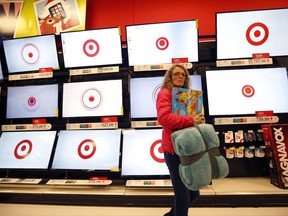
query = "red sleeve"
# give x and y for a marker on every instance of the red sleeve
(164, 112)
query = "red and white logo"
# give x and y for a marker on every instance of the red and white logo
(162, 43)
(23, 149)
(156, 151)
(257, 34)
(91, 99)
(248, 91)
(30, 54)
(86, 149)
(155, 93)
(31, 103)
(91, 48)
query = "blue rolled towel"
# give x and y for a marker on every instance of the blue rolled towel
(198, 166)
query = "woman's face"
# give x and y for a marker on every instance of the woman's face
(178, 77)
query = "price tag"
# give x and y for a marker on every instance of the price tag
(24, 127)
(158, 67)
(94, 71)
(145, 124)
(87, 126)
(246, 120)
(243, 62)
(30, 76)
(109, 124)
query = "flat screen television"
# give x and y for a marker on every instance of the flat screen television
(159, 43)
(31, 53)
(244, 33)
(26, 150)
(87, 150)
(93, 98)
(92, 47)
(144, 91)
(142, 154)
(32, 101)
(1, 71)
(245, 91)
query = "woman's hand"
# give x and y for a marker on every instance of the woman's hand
(199, 119)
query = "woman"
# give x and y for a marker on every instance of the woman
(176, 76)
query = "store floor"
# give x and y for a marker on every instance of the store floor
(225, 197)
(67, 210)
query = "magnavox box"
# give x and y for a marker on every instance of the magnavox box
(276, 142)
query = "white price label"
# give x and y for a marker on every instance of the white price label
(30, 76)
(109, 124)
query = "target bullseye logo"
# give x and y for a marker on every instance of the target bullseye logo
(257, 34)
(248, 91)
(30, 54)
(162, 43)
(91, 99)
(91, 48)
(86, 149)
(155, 93)
(31, 103)
(156, 151)
(23, 149)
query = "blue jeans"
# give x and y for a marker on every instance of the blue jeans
(183, 197)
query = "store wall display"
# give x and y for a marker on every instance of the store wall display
(80, 97)
(244, 33)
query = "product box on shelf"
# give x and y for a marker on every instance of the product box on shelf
(276, 140)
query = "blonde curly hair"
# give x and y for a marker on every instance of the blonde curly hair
(167, 82)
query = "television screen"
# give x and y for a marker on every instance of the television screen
(241, 34)
(92, 47)
(1, 72)
(31, 53)
(245, 91)
(159, 43)
(26, 150)
(142, 154)
(144, 91)
(32, 101)
(87, 149)
(94, 98)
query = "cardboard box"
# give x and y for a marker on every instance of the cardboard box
(276, 141)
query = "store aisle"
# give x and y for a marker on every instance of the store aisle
(59, 210)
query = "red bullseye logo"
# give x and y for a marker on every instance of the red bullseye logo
(31, 103)
(30, 54)
(23, 149)
(156, 151)
(248, 91)
(257, 34)
(162, 43)
(91, 48)
(86, 149)
(155, 93)
(91, 99)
